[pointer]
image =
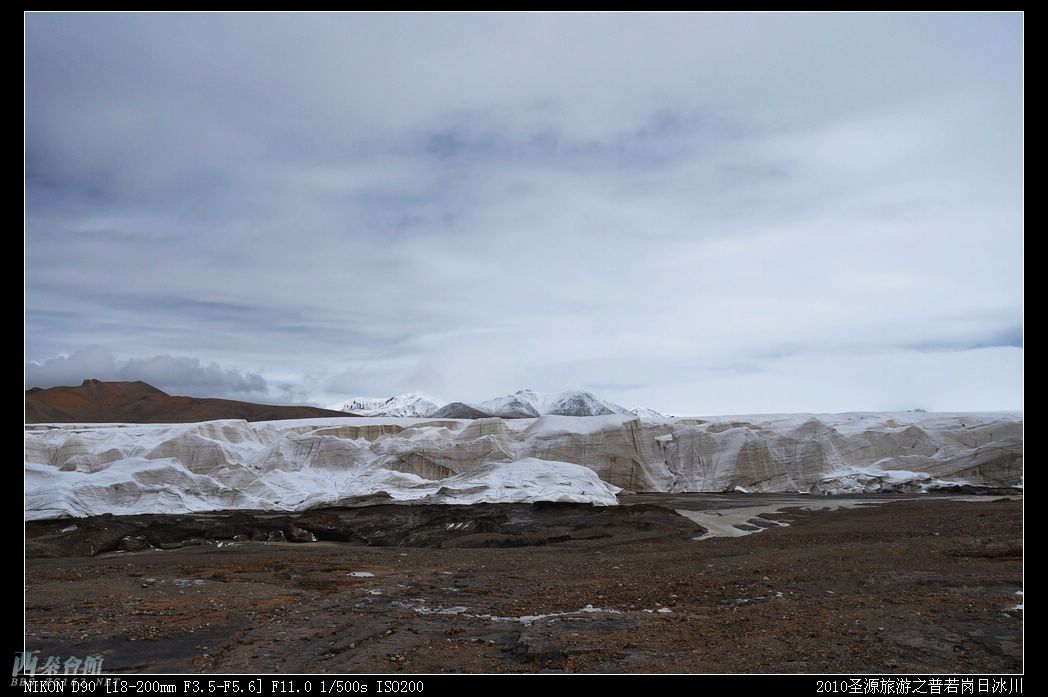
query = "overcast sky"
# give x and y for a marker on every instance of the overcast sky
(697, 213)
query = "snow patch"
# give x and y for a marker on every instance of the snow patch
(872, 479)
(522, 619)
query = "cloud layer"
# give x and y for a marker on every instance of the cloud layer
(704, 213)
(174, 374)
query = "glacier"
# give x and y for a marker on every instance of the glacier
(87, 469)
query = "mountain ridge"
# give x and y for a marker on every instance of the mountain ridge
(409, 404)
(95, 401)
(522, 404)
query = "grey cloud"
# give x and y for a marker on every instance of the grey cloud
(72, 369)
(173, 374)
(191, 375)
(1010, 337)
(467, 204)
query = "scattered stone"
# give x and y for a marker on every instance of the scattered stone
(297, 534)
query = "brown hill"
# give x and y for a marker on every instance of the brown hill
(137, 402)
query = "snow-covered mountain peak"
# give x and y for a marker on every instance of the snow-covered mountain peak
(410, 404)
(568, 403)
(522, 404)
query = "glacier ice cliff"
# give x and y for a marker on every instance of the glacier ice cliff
(293, 465)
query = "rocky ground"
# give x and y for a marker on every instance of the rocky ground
(906, 586)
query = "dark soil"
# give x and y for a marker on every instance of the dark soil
(908, 586)
(477, 525)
